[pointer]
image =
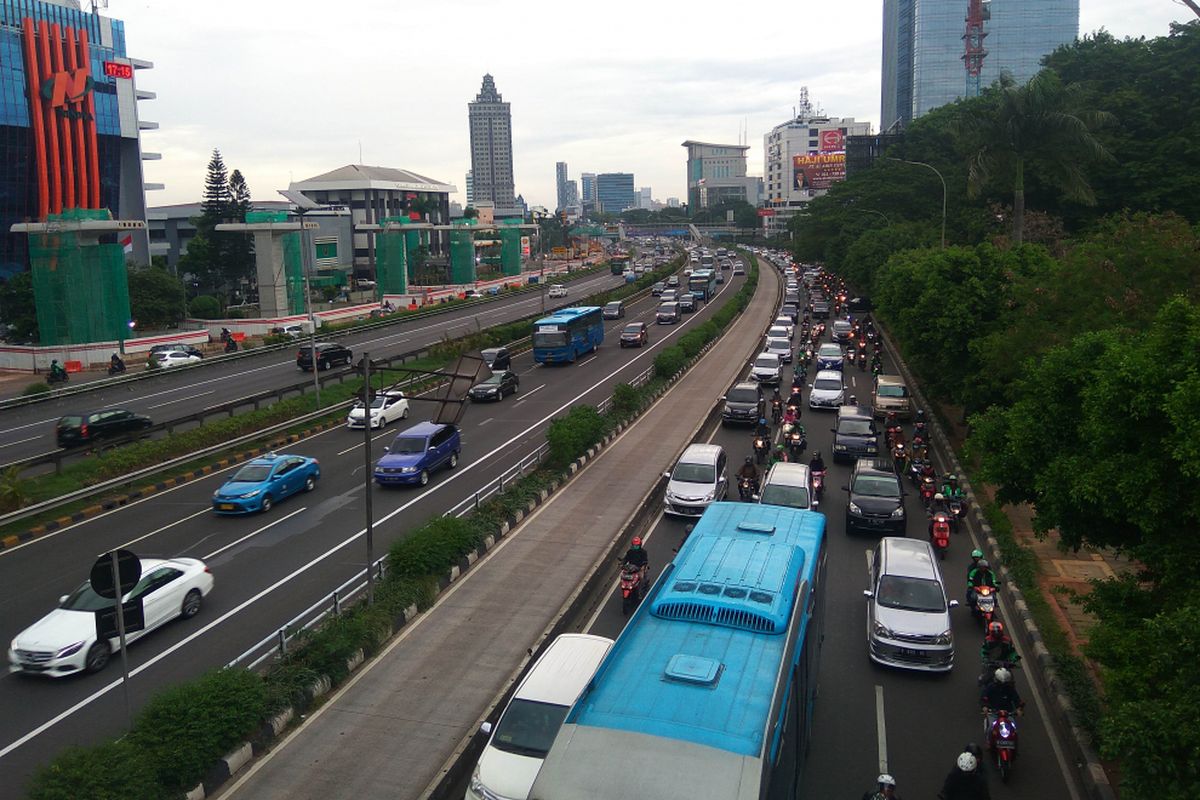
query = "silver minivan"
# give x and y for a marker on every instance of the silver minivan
(788, 485)
(697, 481)
(908, 615)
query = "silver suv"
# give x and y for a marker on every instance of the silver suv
(697, 481)
(908, 616)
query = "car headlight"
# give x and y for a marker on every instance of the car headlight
(898, 513)
(70, 650)
(708, 498)
(216, 494)
(872, 446)
(882, 631)
(408, 469)
(839, 447)
(248, 495)
(945, 637)
(477, 785)
(854, 509)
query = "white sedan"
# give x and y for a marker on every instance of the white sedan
(176, 358)
(64, 641)
(387, 407)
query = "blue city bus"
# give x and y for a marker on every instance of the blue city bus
(568, 334)
(709, 690)
(704, 283)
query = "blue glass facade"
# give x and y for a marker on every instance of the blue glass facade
(614, 191)
(18, 178)
(923, 47)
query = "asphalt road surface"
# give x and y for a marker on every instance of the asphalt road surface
(269, 567)
(28, 431)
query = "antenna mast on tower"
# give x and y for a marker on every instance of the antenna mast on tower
(978, 12)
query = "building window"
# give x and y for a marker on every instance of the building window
(326, 250)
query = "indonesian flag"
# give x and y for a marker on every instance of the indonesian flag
(127, 243)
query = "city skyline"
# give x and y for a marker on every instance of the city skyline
(573, 114)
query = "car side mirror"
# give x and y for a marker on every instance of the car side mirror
(63, 599)
(666, 474)
(386, 448)
(868, 593)
(954, 604)
(754, 497)
(486, 728)
(833, 430)
(845, 488)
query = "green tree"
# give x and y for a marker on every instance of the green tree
(18, 312)
(239, 247)
(470, 212)
(156, 298)
(1038, 126)
(215, 207)
(205, 307)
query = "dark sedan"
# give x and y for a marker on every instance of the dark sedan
(328, 354)
(496, 387)
(78, 429)
(876, 499)
(635, 334)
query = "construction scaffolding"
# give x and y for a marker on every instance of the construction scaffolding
(393, 267)
(510, 249)
(462, 253)
(80, 286)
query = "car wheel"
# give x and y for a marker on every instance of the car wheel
(405, 414)
(453, 460)
(516, 388)
(323, 364)
(97, 657)
(310, 483)
(424, 479)
(266, 503)
(191, 604)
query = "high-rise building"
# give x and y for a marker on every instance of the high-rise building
(716, 173)
(802, 158)
(70, 128)
(470, 181)
(570, 197)
(560, 184)
(614, 192)
(645, 198)
(587, 187)
(923, 48)
(491, 149)
(672, 202)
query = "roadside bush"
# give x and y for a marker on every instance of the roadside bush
(626, 399)
(184, 729)
(204, 307)
(12, 490)
(432, 548)
(669, 361)
(572, 435)
(114, 770)
(275, 338)
(35, 389)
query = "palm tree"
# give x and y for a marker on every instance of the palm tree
(1036, 121)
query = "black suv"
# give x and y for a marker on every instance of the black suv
(744, 403)
(855, 435)
(328, 354)
(77, 429)
(876, 498)
(496, 358)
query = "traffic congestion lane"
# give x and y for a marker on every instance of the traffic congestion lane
(247, 573)
(927, 719)
(29, 430)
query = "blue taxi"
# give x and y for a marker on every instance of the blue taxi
(264, 481)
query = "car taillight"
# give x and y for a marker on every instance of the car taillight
(209, 571)
(299, 354)
(83, 429)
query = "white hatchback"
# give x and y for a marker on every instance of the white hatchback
(386, 408)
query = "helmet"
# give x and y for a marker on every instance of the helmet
(996, 628)
(939, 496)
(749, 459)
(983, 564)
(637, 541)
(886, 780)
(779, 447)
(853, 400)
(976, 554)
(891, 415)
(967, 762)
(952, 477)
(920, 413)
(817, 454)
(974, 750)
(1002, 675)
(762, 420)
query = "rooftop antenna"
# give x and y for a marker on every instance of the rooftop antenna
(360, 161)
(805, 105)
(98, 4)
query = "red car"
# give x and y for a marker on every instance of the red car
(635, 334)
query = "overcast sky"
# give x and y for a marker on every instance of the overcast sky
(288, 90)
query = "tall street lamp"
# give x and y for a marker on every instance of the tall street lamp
(940, 178)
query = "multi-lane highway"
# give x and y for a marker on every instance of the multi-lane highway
(270, 567)
(29, 430)
(871, 719)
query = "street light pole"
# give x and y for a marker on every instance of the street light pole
(366, 361)
(940, 178)
(312, 319)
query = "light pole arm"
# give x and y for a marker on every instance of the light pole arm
(940, 178)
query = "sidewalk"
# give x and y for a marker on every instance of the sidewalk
(389, 731)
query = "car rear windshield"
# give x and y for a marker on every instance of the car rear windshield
(911, 594)
(70, 422)
(830, 351)
(893, 391)
(408, 445)
(633, 327)
(767, 362)
(528, 727)
(876, 486)
(613, 307)
(855, 427)
(791, 496)
(841, 325)
(695, 473)
(827, 384)
(252, 473)
(742, 396)
(778, 344)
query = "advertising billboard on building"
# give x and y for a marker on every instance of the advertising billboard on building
(819, 170)
(833, 140)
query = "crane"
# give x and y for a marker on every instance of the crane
(978, 12)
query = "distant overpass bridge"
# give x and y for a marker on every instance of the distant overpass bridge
(680, 230)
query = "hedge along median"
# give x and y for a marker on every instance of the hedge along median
(108, 464)
(225, 709)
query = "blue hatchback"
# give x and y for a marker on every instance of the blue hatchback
(829, 356)
(264, 481)
(417, 452)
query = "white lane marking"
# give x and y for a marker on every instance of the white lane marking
(481, 424)
(45, 726)
(269, 525)
(235, 400)
(882, 729)
(29, 425)
(132, 542)
(21, 441)
(526, 396)
(360, 444)
(180, 399)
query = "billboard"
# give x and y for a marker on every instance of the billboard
(832, 140)
(818, 171)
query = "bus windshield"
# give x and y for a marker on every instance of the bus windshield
(550, 339)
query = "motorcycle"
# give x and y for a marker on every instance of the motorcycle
(776, 411)
(747, 488)
(892, 433)
(116, 369)
(916, 469)
(796, 441)
(939, 533)
(928, 490)
(762, 446)
(58, 376)
(862, 360)
(1000, 728)
(631, 587)
(984, 604)
(899, 459)
(876, 367)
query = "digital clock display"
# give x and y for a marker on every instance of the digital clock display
(114, 70)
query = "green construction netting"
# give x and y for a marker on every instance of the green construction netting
(462, 255)
(510, 250)
(293, 270)
(81, 291)
(391, 264)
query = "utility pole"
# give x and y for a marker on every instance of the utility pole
(366, 361)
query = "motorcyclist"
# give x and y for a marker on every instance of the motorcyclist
(952, 490)
(976, 557)
(899, 457)
(749, 472)
(966, 781)
(231, 345)
(937, 506)
(816, 463)
(980, 575)
(998, 646)
(779, 454)
(115, 364)
(637, 556)
(776, 402)
(1000, 694)
(886, 789)
(792, 415)
(56, 370)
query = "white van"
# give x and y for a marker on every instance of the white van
(557, 290)
(520, 740)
